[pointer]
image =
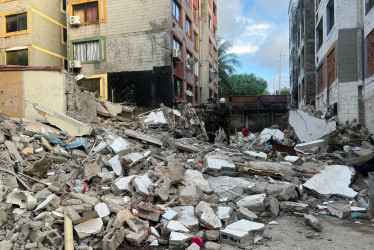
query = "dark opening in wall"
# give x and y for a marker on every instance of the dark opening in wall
(16, 23)
(368, 5)
(319, 34)
(17, 57)
(330, 10)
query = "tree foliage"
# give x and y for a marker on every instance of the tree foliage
(226, 63)
(284, 91)
(245, 84)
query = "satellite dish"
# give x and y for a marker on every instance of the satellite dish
(191, 61)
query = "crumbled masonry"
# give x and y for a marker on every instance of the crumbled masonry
(138, 182)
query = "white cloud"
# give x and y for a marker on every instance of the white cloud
(258, 34)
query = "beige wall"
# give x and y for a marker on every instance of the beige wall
(46, 88)
(137, 36)
(11, 89)
(46, 21)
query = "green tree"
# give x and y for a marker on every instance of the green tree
(284, 91)
(246, 84)
(226, 64)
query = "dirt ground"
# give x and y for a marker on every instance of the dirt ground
(336, 234)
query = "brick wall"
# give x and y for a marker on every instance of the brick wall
(331, 67)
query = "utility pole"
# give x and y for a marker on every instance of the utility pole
(280, 71)
(275, 91)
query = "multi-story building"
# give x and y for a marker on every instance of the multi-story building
(368, 89)
(339, 64)
(33, 32)
(141, 52)
(209, 50)
(302, 52)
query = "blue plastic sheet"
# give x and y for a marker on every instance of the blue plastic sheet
(77, 143)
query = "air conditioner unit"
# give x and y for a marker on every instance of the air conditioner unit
(75, 20)
(176, 54)
(75, 64)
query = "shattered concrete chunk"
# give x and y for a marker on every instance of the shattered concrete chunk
(309, 128)
(332, 180)
(137, 238)
(89, 227)
(341, 211)
(23, 199)
(253, 202)
(195, 178)
(241, 233)
(102, 210)
(207, 216)
(274, 206)
(176, 226)
(85, 198)
(313, 222)
(136, 224)
(113, 239)
(40, 168)
(218, 167)
(224, 213)
(282, 192)
(187, 217)
(212, 246)
(190, 195)
(116, 165)
(229, 187)
(173, 173)
(293, 206)
(244, 213)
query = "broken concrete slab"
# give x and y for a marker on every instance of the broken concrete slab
(136, 157)
(137, 224)
(102, 210)
(137, 238)
(190, 195)
(309, 128)
(229, 187)
(116, 165)
(71, 126)
(207, 216)
(195, 178)
(187, 217)
(217, 167)
(85, 198)
(274, 206)
(253, 202)
(143, 137)
(120, 145)
(267, 133)
(89, 227)
(173, 173)
(123, 216)
(170, 214)
(148, 211)
(293, 206)
(256, 155)
(177, 226)
(212, 246)
(313, 222)
(339, 210)
(241, 233)
(224, 213)
(155, 118)
(307, 146)
(179, 240)
(332, 180)
(283, 192)
(123, 184)
(244, 213)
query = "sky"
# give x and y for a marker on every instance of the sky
(258, 31)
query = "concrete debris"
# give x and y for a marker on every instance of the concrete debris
(309, 128)
(153, 181)
(332, 180)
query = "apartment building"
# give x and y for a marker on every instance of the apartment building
(209, 50)
(140, 52)
(33, 32)
(339, 64)
(368, 60)
(302, 52)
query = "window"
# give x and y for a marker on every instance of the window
(368, 5)
(91, 85)
(210, 48)
(211, 73)
(176, 10)
(189, 98)
(178, 87)
(196, 41)
(214, 31)
(320, 78)
(16, 23)
(188, 56)
(210, 92)
(215, 54)
(215, 9)
(64, 35)
(87, 51)
(88, 12)
(63, 5)
(188, 26)
(210, 23)
(196, 68)
(196, 94)
(177, 45)
(330, 15)
(331, 67)
(17, 57)
(319, 34)
(195, 15)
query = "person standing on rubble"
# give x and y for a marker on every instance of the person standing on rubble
(224, 118)
(209, 117)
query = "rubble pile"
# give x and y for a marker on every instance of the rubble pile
(152, 181)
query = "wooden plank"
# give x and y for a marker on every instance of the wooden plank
(141, 136)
